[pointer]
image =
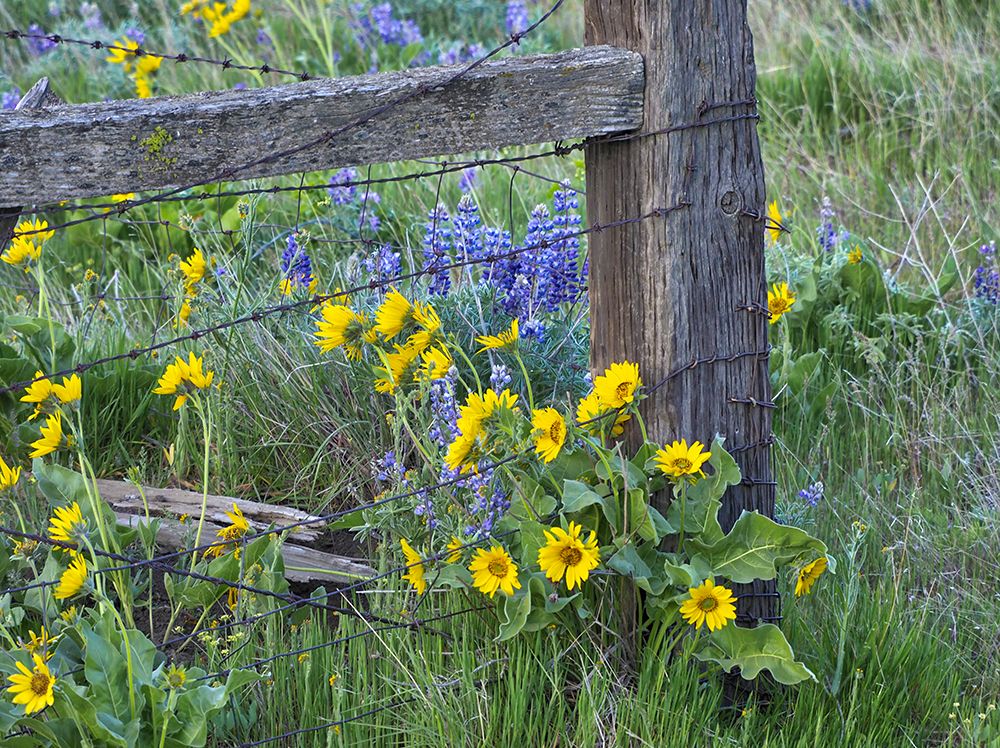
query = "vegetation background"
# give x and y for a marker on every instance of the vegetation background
(888, 110)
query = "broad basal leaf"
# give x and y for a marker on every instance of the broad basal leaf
(753, 650)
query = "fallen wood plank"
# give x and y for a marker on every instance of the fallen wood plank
(111, 147)
(301, 564)
(174, 502)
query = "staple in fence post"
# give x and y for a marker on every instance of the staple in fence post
(38, 96)
(663, 292)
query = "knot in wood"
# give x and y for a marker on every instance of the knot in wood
(731, 203)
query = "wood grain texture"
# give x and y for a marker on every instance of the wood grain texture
(301, 564)
(98, 149)
(174, 502)
(665, 291)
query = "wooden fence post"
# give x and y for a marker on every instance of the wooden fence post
(688, 286)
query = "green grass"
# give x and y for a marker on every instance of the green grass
(896, 117)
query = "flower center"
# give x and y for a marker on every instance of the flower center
(40, 684)
(498, 568)
(570, 556)
(622, 390)
(683, 464)
(708, 604)
(777, 306)
(556, 431)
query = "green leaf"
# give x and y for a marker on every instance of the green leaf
(639, 519)
(644, 566)
(702, 500)
(578, 496)
(755, 547)
(803, 369)
(753, 650)
(515, 611)
(107, 673)
(100, 724)
(61, 486)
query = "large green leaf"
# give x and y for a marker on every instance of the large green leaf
(696, 505)
(755, 547)
(578, 496)
(515, 614)
(644, 565)
(753, 650)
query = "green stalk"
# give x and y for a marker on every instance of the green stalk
(206, 430)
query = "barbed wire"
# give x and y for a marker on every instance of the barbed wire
(261, 314)
(417, 91)
(139, 51)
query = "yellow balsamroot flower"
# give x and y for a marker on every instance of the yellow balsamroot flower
(67, 526)
(183, 314)
(39, 642)
(69, 391)
(588, 414)
(394, 314)
(430, 327)
(52, 437)
(505, 339)
(36, 229)
(69, 615)
(181, 376)
(437, 362)
(121, 197)
(123, 54)
(236, 529)
(415, 573)
(854, 256)
(32, 688)
(808, 575)
(779, 300)
(678, 460)
(194, 269)
(774, 222)
(176, 676)
(455, 545)
(9, 476)
(550, 433)
(709, 603)
(565, 554)
(38, 392)
(494, 570)
(22, 252)
(395, 372)
(617, 385)
(463, 453)
(340, 326)
(73, 579)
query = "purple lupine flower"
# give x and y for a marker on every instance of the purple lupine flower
(517, 17)
(90, 14)
(425, 508)
(383, 264)
(296, 266)
(444, 409)
(468, 235)
(341, 190)
(9, 99)
(467, 181)
(54, 10)
(813, 494)
(437, 249)
(986, 280)
(533, 329)
(239, 86)
(135, 35)
(825, 232)
(38, 44)
(499, 377)
(264, 40)
(561, 259)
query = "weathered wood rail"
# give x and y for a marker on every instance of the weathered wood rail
(88, 150)
(302, 563)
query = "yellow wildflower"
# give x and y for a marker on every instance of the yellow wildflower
(779, 301)
(617, 386)
(507, 338)
(67, 526)
(69, 391)
(455, 545)
(550, 433)
(774, 223)
(709, 603)
(73, 579)
(394, 314)
(32, 688)
(808, 576)
(51, 437)
(8, 475)
(437, 362)
(415, 571)
(121, 197)
(678, 460)
(194, 269)
(341, 326)
(589, 412)
(854, 256)
(494, 569)
(181, 376)
(565, 554)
